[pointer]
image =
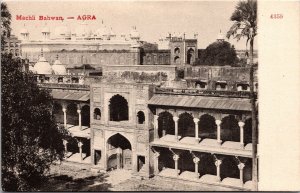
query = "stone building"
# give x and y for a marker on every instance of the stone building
(12, 45)
(140, 115)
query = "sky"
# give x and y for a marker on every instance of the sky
(152, 19)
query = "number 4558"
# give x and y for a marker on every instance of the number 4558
(276, 16)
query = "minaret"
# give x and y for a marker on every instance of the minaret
(46, 33)
(220, 37)
(24, 33)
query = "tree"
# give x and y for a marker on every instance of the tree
(31, 140)
(219, 53)
(5, 23)
(245, 26)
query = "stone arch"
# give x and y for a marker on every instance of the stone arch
(140, 117)
(72, 115)
(165, 160)
(190, 56)
(186, 125)
(248, 131)
(119, 152)
(166, 124)
(207, 165)
(118, 108)
(97, 114)
(230, 130)
(176, 59)
(58, 112)
(85, 115)
(185, 162)
(177, 50)
(207, 127)
(229, 168)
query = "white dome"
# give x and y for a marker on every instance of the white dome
(24, 31)
(42, 66)
(62, 32)
(103, 31)
(46, 30)
(59, 68)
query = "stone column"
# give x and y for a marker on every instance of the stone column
(79, 118)
(196, 160)
(176, 158)
(156, 156)
(218, 165)
(118, 158)
(241, 168)
(218, 122)
(176, 127)
(241, 125)
(156, 136)
(65, 117)
(65, 142)
(196, 121)
(80, 144)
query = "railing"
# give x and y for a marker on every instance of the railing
(64, 85)
(200, 92)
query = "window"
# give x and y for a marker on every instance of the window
(118, 108)
(97, 114)
(60, 79)
(221, 86)
(201, 84)
(177, 51)
(141, 117)
(75, 80)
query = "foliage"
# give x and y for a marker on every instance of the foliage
(31, 139)
(5, 23)
(245, 22)
(219, 53)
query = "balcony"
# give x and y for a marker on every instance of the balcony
(65, 86)
(200, 92)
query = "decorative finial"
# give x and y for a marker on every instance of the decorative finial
(102, 21)
(42, 54)
(56, 56)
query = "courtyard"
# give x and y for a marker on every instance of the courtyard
(70, 176)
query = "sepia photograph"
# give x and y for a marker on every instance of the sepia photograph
(130, 95)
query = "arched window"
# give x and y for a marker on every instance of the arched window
(166, 124)
(176, 59)
(186, 125)
(85, 115)
(230, 130)
(207, 127)
(97, 114)
(118, 108)
(190, 54)
(177, 51)
(141, 117)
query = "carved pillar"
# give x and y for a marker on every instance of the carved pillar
(156, 136)
(196, 121)
(218, 122)
(79, 118)
(241, 168)
(65, 142)
(196, 160)
(218, 165)
(241, 125)
(156, 156)
(80, 144)
(119, 151)
(176, 158)
(65, 117)
(176, 127)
